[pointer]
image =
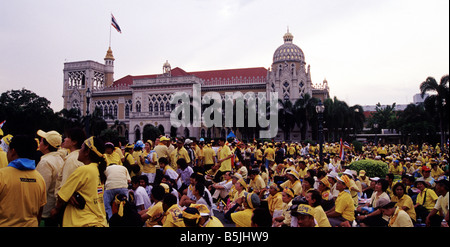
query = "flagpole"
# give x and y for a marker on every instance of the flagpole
(110, 32)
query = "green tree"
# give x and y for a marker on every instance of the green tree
(415, 124)
(286, 120)
(150, 133)
(385, 117)
(25, 112)
(440, 98)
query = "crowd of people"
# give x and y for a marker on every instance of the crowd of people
(75, 180)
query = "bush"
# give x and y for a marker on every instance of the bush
(373, 168)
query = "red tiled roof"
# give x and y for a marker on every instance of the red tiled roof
(211, 77)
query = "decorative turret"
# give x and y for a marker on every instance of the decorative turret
(109, 68)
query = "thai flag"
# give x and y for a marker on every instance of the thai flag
(346, 145)
(2, 123)
(341, 150)
(114, 24)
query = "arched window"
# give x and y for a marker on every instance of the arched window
(138, 106)
(127, 111)
(202, 133)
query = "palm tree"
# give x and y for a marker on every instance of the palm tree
(286, 117)
(440, 99)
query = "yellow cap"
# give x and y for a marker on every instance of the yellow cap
(53, 138)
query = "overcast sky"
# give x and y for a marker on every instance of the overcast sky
(369, 51)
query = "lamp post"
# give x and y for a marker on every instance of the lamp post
(320, 108)
(375, 126)
(88, 100)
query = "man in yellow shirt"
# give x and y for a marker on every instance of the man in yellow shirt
(224, 156)
(161, 149)
(269, 154)
(256, 181)
(154, 215)
(210, 157)
(177, 153)
(22, 188)
(172, 212)
(343, 212)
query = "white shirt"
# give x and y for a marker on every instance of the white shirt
(141, 197)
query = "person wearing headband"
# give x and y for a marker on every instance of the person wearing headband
(198, 215)
(83, 190)
(244, 218)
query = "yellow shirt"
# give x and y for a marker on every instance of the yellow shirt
(223, 153)
(400, 219)
(209, 154)
(148, 167)
(154, 212)
(258, 154)
(113, 158)
(344, 205)
(430, 199)
(407, 202)
(22, 194)
(270, 154)
(173, 218)
(396, 170)
(162, 150)
(257, 183)
(213, 222)
(321, 217)
(275, 202)
(243, 218)
(296, 186)
(86, 181)
(3, 159)
(177, 154)
(129, 158)
(70, 164)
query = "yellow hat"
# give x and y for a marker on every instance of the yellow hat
(289, 192)
(293, 173)
(166, 187)
(243, 183)
(362, 173)
(305, 209)
(163, 138)
(325, 181)
(204, 211)
(345, 179)
(53, 138)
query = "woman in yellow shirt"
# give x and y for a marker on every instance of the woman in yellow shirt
(83, 190)
(275, 200)
(403, 200)
(314, 199)
(425, 200)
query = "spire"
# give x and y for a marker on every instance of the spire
(288, 37)
(109, 54)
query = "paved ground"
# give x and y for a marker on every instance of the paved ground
(220, 216)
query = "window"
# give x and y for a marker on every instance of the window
(138, 106)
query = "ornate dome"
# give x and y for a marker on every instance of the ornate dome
(288, 52)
